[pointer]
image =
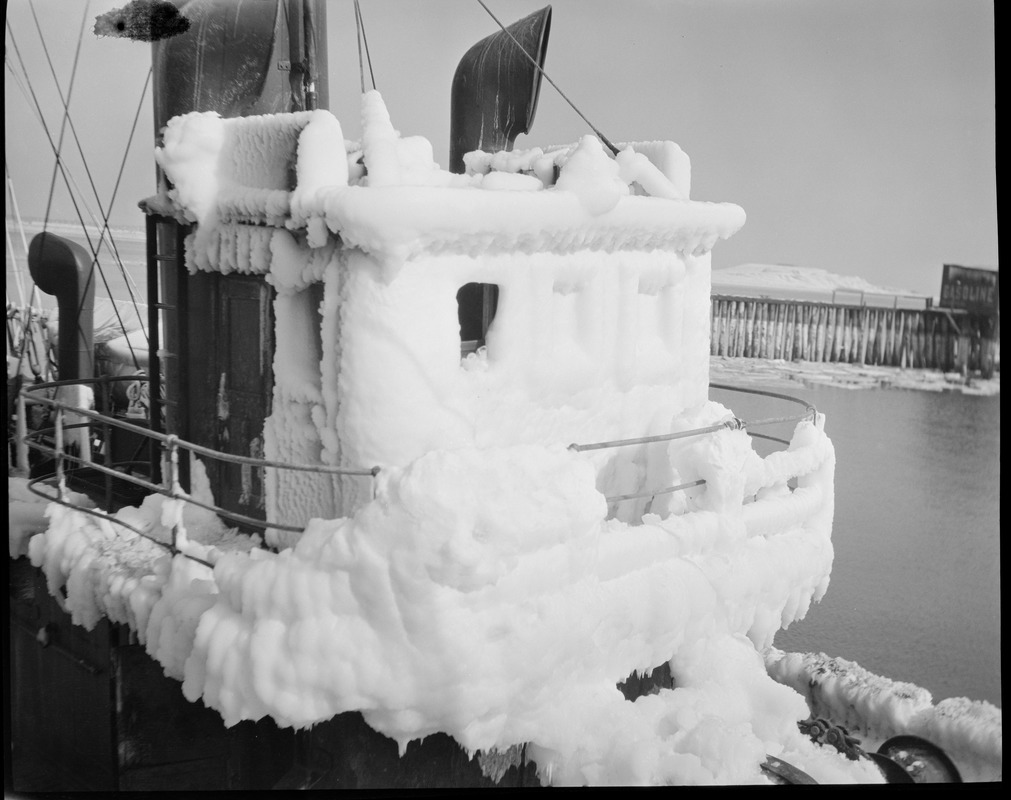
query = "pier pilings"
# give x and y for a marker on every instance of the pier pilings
(798, 330)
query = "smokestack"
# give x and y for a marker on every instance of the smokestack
(495, 88)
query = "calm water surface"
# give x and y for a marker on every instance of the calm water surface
(915, 590)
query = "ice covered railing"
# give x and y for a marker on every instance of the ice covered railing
(75, 423)
(694, 453)
(81, 437)
(484, 594)
(768, 479)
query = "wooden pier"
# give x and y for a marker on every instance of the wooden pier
(928, 338)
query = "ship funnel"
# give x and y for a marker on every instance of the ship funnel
(64, 269)
(496, 87)
(243, 59)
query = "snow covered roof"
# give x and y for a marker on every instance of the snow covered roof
(388, 197)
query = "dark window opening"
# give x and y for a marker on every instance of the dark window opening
(476, 306)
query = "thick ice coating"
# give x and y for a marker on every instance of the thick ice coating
(483, 593)
(491, 582)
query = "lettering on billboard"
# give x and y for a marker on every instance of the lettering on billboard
(970, 288)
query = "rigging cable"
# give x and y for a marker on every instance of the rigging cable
(104, 230)
(358, 35)
(18, 280)
(19, 284)
(57, 149)
(28, 317)
(112, 243)
(360, 28)
(58, 167)
(27, 343)
(66, 103)
(22, 343)
(368, 54)
(33, 107)
(69, 179)
(533, 61)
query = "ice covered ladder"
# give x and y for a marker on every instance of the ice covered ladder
(167, 300)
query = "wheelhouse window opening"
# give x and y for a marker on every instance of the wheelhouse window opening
(476, 307)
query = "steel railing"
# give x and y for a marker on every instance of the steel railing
(810, 412)
(170, 445)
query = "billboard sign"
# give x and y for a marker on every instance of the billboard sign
(970, 288)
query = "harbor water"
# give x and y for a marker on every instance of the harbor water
(915, 588)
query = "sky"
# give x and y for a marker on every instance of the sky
(858, 135)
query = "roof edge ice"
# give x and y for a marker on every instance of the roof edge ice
(387, 196)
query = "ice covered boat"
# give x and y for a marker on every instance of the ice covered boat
(470, 414)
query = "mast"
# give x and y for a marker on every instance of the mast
(308, 81)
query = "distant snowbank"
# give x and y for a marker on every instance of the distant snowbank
(791, 282)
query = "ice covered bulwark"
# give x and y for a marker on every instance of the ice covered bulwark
(483, 594)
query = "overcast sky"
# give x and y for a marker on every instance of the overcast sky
(859, 135)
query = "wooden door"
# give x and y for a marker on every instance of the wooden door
(243, 344)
